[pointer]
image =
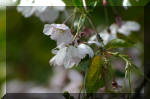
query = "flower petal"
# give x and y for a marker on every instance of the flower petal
(85, 49)
(128, 27)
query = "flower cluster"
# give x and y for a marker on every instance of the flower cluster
(74, 44)
(69, 53)
(126, 3)
(111, 33)
(59, 32)
(47, 13)
(66, 54)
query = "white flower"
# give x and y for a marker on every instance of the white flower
(59, 32)
(49, 15)
(27, 11)
(126, 28)
(105, 36)
(84, 4)
(74, 76)
(46, 10)
(26, 3)
(126, 4)
(58, 79)
(16, 86)
(4, 3)
(42, 3)
(76, 80)
(70, 56)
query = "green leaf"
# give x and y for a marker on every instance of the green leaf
(83, 65)
(136, 70)
(129, 64)
(94, 78)
(119, 43)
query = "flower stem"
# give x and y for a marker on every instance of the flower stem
(81, 22)
(130, 81)
(67, 18)
(74, 16)
(95, 31)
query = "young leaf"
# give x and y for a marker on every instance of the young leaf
(94, 78)
(136, 70)
(83, 65)
(119, 43)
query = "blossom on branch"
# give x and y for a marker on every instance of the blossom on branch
(111, 33)
(71, 55)
(126, 4)
(75, 83)
(46, 10)
(67, 55)
(128, 26)
(59, 32)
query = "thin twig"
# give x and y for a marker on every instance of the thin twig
(92, 25)
(79, 27)
(129, 75)
(97, 34)
(67, 18)
(106, 16)
(74, 16)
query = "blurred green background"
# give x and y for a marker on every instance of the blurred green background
(28, 49)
